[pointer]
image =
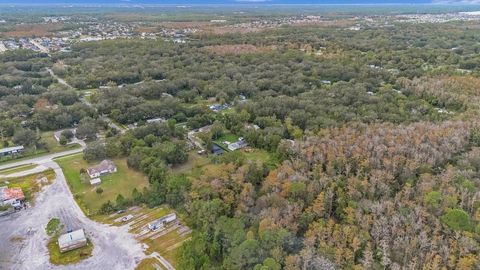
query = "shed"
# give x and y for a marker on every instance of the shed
(161, 222)
(72, 240)
(95, 181)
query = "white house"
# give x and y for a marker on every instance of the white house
(105, 167)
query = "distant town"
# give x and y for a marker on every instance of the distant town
(91, 29)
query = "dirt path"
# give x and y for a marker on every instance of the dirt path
(24, 239)
(60, 80)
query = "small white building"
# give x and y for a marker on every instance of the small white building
(72, 240)
(156, 120)
(161, 222)
(95, 181)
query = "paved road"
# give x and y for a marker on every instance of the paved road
(23, 239)
(45, 158)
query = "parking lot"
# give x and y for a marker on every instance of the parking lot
(24, 239)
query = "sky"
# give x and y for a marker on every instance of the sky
(256, 2)
(234, 1)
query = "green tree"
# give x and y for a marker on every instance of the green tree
(94, 151)
(63, 140)
(87, 129)
(268, 264)
(457, 219)
(25, 137)
(244, 256)
(120, 201)
(433, 198)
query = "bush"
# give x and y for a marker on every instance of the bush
(433, 198)
(63, 140)
(99, 190)
(53, 227)
(107, 208)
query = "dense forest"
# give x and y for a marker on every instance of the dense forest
(372, 138)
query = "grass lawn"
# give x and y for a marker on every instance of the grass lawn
(121, 182)
(259, 154)
(69, 257)
(167, 245)
(194, 162)
(30, 184)
(228, 137)
(20, 168)
(148, 264)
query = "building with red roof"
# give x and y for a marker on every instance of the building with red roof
(11, 196)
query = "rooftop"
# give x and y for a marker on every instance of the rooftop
(105, 165)
(11, 193)
(71, 238)
(11, 149)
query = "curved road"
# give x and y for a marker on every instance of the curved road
(23, 238)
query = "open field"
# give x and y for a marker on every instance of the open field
(33, 30)
(121, 182)
(52, 145)
(194, 162)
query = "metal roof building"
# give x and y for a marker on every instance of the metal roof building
(72, 240)
(161, 222)
(11, 150)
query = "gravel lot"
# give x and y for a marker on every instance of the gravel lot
(23, 238)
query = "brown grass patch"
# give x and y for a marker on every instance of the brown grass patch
(33, 30)
(236, 30)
